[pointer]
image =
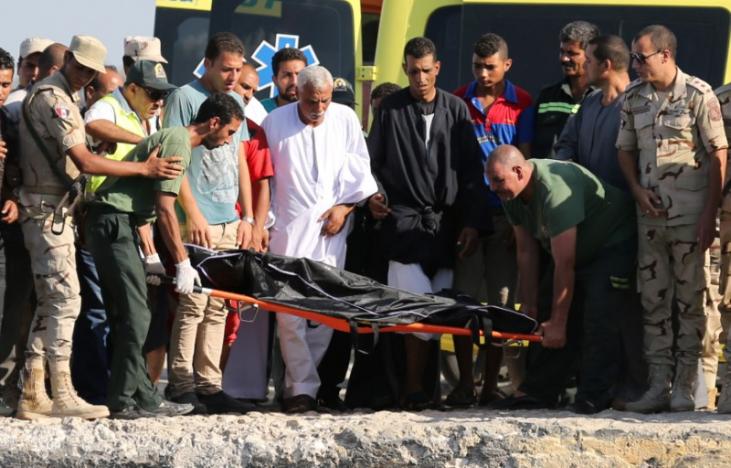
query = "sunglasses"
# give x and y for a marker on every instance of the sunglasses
(155, 94)
(642, 59)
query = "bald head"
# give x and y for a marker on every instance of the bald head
(102, 84)
(248, 82)
(51, 60)
(506, 155)
(508, 171)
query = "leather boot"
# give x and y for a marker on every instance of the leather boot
(683, 393)
(657, 397)
(66, 402)
(34, 402)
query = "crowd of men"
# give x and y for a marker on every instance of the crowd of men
(595, 207)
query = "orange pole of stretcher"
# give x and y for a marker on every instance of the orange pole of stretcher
(344, 326)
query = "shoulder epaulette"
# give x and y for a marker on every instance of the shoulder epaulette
(699, 84)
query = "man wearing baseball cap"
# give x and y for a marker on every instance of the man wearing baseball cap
(117, 122)
(53, 154)
(30, 52)
(28, 70)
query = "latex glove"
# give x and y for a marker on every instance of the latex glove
(154, 269)
(186, 277)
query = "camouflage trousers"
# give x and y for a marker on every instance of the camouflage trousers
(53, 262)
(725, 272)
(711, 338)
(670, 272)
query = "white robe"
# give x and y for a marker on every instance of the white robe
(315, 168)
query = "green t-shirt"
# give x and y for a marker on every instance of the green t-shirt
(565, 195)
(136, 195)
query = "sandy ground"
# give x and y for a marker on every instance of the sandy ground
(429, 438)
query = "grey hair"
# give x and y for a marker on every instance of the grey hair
(315, 76)
(579, 31)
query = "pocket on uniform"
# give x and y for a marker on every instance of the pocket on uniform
(644, 124)
(677, 122)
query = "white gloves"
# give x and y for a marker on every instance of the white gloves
(186, 277)
(154, 269)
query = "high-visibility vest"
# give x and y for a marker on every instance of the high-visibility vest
(128, 121)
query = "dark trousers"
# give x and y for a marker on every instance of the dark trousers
(90, 357)
(111, 238)
(18, 308)
(603, 290)
(378, 374)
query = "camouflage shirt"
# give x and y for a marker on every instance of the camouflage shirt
(674, 134)
(55, 115)
(724, 98)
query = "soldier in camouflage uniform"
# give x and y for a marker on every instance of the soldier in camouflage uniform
(53, 153)
(724, 401)
(672, 150)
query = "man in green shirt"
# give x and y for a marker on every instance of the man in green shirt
(122, 208)
(587, 226)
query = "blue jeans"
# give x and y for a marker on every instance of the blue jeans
(90, 356)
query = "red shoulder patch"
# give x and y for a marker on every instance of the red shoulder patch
(61, 111)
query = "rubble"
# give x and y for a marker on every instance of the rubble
(430, 438)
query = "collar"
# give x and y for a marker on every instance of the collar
(679, 88)
(119, 96)
(510, 94)
(566, 88)
(59, 80)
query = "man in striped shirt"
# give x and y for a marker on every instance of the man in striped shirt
(556, 103)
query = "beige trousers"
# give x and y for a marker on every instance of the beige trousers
(53, 261)
(198, 330)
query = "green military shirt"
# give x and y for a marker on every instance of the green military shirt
(565, 195)
(136, 195)
(674, 134)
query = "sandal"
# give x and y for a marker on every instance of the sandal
(460, 398)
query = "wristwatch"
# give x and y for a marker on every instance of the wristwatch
(248, 219)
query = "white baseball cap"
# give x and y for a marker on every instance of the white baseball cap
(33, 45)
(144, 48)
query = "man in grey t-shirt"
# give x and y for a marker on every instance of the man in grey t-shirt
(589, 136)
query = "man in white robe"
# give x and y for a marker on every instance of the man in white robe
(321, 169)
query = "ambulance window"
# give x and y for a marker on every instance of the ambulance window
(369, 29)
(532, 35)
(325, 26)
(183, 34)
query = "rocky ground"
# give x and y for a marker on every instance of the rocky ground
(430, 438)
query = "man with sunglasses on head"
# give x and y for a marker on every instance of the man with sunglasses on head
(672, 151)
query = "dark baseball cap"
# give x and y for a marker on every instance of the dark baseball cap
(149, 74)
(343, 92)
